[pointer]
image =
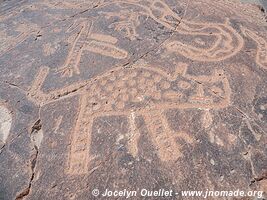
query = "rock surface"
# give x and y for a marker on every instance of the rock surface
(134, 94)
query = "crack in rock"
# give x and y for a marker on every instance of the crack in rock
(36, 138)
(261, 178)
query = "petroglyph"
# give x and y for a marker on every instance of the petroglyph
(119, 92)
(86, 40)
(5, 123)
(49, 49)
(128, 23)
(106, 49)
(226, 42)
(9, 42)
(81, 139)
(261, 55)
(163, 137)
(58, 123)
(227, 8)
(19, 8)
(158, 10)
(207, 119)
(13, 42)
(134, 136)
(12, 11)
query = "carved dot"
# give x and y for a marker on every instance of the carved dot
(153, 88)
(125, 97)
(112, 78)
(133, 92)
(103, 82)
(147, 74)
(141, 80)
(150, 82)
(184, 85)
(157, 95)
(165, 85)
(131, 82)
(157, 78)
(109, 87)
(120, 105)
(120, 84)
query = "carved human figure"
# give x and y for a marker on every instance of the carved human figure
(86, 40)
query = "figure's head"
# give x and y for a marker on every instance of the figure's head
(203, 91)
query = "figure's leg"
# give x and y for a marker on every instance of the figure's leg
(81, 141)
(164, 139)
(73, 59)
(134, 135)
(35, 91)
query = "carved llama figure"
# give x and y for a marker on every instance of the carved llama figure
(136, 91)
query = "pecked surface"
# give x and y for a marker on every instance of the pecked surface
(131, 94)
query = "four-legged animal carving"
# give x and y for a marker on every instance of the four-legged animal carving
(139, 91)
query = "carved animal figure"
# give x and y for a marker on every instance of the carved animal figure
(140, 90)
(219, 41)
